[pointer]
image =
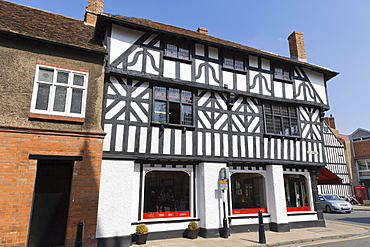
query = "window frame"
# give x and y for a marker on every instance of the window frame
(52, 91)
(363, 173)
(281, 75)
(179, 44)
(168, 103)
(273, 116)
(248, 211)
(233, 55)
(189, 171)
(300, 209)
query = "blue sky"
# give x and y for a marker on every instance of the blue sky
(336, 32)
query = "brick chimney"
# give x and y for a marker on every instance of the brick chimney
(296, 46)
(93, 8)
(330, 121)
(202, 30)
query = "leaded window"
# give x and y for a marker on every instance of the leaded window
(59, 92)
(233, 60)
(281, 120)
(178, 49)
(282, 71)
(173, 106)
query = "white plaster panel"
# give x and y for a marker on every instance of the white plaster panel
(119, 137)
(178, 141)
(118, 86)
(149, 66)
(121, 39)
(213, 52)
(143, 138)
(210, 196)
(265, 64)
(213, 69)
(114, 209)
(235, 145)
(115, 109)
(228, 79)
(256, 88)
(242, 146)
(265, 147)
(185, 72)
(217, 144)
(139, 90)
(226, 145)
(138, 66)
(250, 146)
(131, 139)
(272, 153)
(202, 101)
(241, 82)
(208, 141)
(288, 91)
(276, 194)
(199, 50)
(253, 61)
(297, 84)
(258, 152)
(298, 149)
(200, 143)
(278, 89)
(154, 143)
(304, 152)
(302, 217)
(248, 221)
(189, 142)
(202, 78)
(318, 82)
(278, 146)
(167, 142)
(142, 116)
(169, 69)
(108, 136)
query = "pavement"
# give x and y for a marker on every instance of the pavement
(333, 230)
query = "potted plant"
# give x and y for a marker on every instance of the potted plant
(141, 234)
(192, 230)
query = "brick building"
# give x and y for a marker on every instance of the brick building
(50, 127)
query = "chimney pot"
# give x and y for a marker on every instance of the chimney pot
(202, 30)
(296, 46)
(93, 9)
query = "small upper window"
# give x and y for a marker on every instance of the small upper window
(59, 92)
(178, 49)
(282, 72)
(281, 120)
(233, 60)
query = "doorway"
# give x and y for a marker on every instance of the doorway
(50, 206)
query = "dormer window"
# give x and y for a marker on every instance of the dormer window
(282, 71)
(234, 61)
(177, 48)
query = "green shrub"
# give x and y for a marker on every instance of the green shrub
(193, 225)
(142, 229)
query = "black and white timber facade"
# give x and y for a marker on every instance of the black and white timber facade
(181, 105)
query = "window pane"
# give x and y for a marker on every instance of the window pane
(160, 110)
(46, 75)
(239, 65)
(174, 113)
(60, 99)
(171, 50)
(269, 124)
(160, 93)
(229, 62)
(294, 127)
(62, 77)
(183, 51)
(293, 112)
(278, 126)
(284, 111)
(42, 100)
(187, 115)
(186, 96)
(286, 126)
(78, 80)
(248, 191)
(295, 190)
(166, 191)
(276, 110)
(268, 109)
(174, 94)
(362, 164)
(76, 104)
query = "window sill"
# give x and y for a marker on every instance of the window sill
(174, 126)
(283, 136)
(283, 80)
(234, 70)
(56, 118)
(177, 59)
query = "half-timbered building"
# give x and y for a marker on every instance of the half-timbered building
(180, 106)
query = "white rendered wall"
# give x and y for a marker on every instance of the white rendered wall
(115, 196)
(210, 209)
(276, 194)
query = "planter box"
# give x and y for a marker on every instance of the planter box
(192, 234)
(140, 238)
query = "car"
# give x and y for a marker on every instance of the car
(333, 203)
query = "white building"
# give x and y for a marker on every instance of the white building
(179, 106)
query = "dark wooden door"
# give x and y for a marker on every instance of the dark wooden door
(50, 203)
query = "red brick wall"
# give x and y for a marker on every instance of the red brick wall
(361, 149)
(17, 178)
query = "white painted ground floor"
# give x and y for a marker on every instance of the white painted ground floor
(166, 196)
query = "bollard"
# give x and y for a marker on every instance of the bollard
(261, 228)
(79, 234)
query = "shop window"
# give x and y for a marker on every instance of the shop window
(167, 194)
(59, 92)
(363, 167)
(173, 106)
(177, 48)
(281, 120)
(282, 71)
(234, 61)
(248, 193)
(296, 193)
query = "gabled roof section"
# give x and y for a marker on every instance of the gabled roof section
(144, 24)
(35, 23)
(360, 133)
